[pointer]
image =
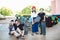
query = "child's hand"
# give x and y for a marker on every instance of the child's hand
(32, 22)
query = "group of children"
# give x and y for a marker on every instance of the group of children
(16, 29)
(38, 19)
(20, 29)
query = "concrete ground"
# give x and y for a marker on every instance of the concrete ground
(52, 33)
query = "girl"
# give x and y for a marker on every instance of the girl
(34, 25)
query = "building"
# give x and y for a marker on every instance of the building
(55, 4)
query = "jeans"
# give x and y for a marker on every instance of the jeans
(43, 27)
(10, 29)
(25, 29)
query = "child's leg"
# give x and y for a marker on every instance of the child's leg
(10, 30)
(19, 31)
(22, 32)
(16, 34)
(25, 30)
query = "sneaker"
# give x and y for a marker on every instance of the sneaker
(22, 37)
(32, 34)
(17, 37)
(40, 33)
(12, 34)
(36, 33)
(9, 33)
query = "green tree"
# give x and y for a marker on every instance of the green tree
(26, 10)
(5, 11)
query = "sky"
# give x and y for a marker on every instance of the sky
(16, 5)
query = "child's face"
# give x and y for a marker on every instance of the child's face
(16, 22)
(34, 9)
(41, 10)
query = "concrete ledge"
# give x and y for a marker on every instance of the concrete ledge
(2, 18)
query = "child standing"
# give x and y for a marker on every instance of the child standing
(34, 24)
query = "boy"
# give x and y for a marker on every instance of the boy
(11, 26)
(42, 21)
(19, 28)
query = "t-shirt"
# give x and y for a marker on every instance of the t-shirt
(33, 15)
(42, 15)
(20, 26)
(15, 26)
(10, 24)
